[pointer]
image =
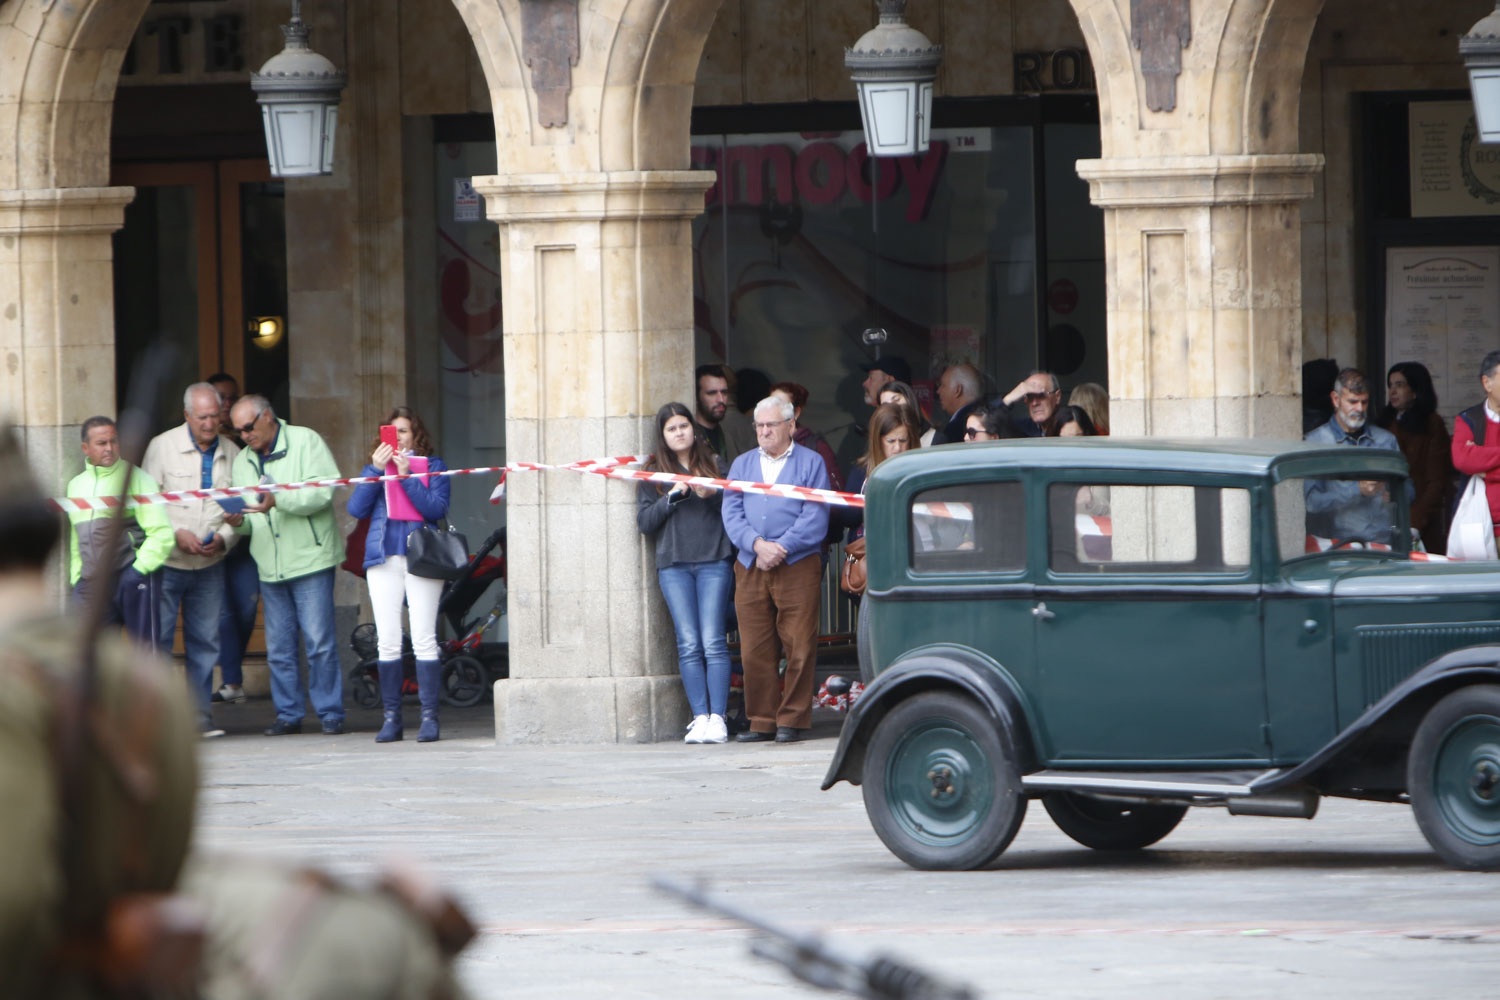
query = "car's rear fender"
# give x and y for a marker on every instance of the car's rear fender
(1368, 759)
(935, 668)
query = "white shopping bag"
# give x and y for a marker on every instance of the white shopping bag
(1472, 536)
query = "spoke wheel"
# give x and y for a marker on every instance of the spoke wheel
(463, 681)
(1111, 826)
(939, 787)
(1453, 776)
(363, 687)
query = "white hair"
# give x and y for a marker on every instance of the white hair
(197, 387)
(778, 404)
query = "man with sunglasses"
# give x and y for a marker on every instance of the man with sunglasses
(296, 545)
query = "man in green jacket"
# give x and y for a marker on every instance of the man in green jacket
(295, 544)
(137, 552)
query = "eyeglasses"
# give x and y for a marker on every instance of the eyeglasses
(767, 426)
(972, 432)
(251, 425)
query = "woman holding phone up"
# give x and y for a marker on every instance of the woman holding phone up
(395, 510)
(692, 565)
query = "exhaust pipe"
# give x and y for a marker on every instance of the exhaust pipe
(1296, 803)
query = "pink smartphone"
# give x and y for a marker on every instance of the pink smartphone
(388, 435)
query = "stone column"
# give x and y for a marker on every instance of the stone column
(1204, 278)
(1201, 182)
(57, 327)
(598, 334)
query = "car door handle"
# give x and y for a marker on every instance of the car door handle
(1040, 612)
(1310, 625)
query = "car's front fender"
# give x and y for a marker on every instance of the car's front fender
(1389, 723)
(938, 668)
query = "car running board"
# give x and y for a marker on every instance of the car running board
(1244, 793)
(1216, 784)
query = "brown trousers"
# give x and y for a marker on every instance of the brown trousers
(780, 603)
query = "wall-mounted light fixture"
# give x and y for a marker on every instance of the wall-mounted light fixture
(893, 66)
(298, 92)
(266, 331)
(1480, 49)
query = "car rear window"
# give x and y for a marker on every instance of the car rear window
(968, 528)
(1123, 528)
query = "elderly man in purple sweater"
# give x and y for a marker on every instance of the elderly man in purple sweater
(778, 575)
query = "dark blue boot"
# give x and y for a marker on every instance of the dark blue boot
(429, 690)
(390, 698)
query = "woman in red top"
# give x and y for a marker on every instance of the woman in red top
(1476, 434)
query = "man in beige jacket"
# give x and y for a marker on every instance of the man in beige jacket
(195, 456)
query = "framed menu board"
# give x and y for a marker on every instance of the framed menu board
(1443, 309)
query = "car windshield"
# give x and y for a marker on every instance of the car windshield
(1325, 514)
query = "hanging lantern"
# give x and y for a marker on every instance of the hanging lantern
(893, 66)
(298, 92)
(1481, 51)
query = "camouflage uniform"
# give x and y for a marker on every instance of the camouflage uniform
(135, 787)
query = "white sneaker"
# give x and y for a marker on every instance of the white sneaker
(696, 729)
(715, 731)
(212, 733)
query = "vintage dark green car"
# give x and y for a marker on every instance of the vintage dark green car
(1126, 628)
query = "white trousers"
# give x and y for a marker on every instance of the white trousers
(389, 583)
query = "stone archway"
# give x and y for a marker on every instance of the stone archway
(592, 107)
(57, 77)
(1201, 183)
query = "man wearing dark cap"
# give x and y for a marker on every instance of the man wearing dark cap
(883, 370)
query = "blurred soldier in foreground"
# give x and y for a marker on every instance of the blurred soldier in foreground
(98, 774)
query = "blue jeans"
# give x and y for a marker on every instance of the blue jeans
(303, 605)
(132, 605)
(237, 618)
(698, 597)
(200, 592)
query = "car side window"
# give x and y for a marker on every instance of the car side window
(968, 528)
(1122, 528)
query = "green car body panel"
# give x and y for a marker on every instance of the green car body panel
(1260, 663)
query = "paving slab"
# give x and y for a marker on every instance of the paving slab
(551, 849)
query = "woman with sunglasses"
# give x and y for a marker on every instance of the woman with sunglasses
(694, 565)
(396, 509)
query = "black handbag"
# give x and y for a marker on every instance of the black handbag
(435, 554)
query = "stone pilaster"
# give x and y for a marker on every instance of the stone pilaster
(1204, 292)
(597, 270)
(57, 327)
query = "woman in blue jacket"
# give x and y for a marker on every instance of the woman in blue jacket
(420, 499)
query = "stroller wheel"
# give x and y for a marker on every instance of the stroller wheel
(463, 681)
(362, 640)
(363, 686)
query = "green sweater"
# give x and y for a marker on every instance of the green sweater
(87, 525)
(298, 536)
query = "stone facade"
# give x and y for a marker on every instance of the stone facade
(1232, 251)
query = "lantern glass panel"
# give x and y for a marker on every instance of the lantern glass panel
(1485, 84)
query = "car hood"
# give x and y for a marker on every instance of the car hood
(1396, 576)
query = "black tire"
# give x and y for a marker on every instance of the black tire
(1453, 777)
(862, 642)
(1111, 826)
(463, 681)
(940, 789)
(363, 687)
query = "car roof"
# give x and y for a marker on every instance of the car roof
(1241, 456)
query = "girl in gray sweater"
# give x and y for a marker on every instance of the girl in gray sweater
(693, 565)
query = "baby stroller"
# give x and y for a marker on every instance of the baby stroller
(470, 665)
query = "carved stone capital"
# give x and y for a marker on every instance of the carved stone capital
(83, 211)
(1196, 181)
(618, 194)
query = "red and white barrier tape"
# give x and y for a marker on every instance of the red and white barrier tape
(611, 467)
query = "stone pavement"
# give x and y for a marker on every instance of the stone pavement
(551, 848)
